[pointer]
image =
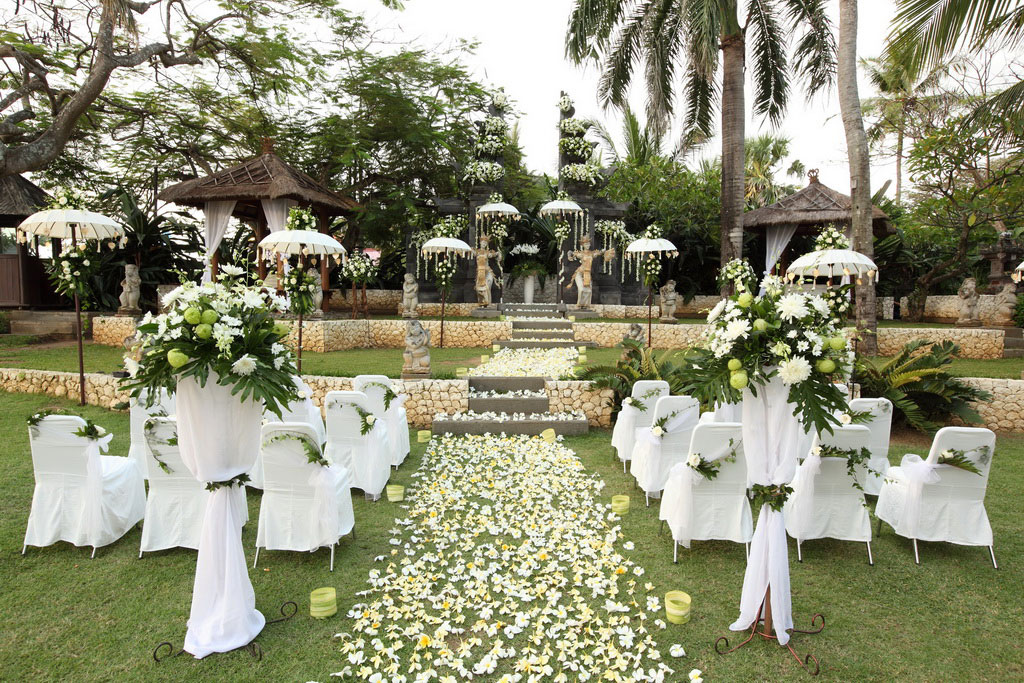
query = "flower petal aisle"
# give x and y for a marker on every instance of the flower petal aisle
(505, 568)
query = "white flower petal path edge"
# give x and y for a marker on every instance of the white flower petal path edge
(505, 568)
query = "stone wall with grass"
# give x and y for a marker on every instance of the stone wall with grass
(100, 390)
(974, 342)
(1005, 410)
(946, 308)
(572, 396)
(112, 330)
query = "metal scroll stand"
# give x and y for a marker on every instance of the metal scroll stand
(165, 650)
(766, 633)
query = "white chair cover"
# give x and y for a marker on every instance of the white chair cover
(80, 496)
(367, 457)
(395, 416)
(771, 440)
(647, 392)
(138, 413)
(302, 411)
(177, 502)
(218, 438)
(654, 456)
(728, 412)
(700, 509)
(931, 502)
(880, 425)
(305, 505)
(825, 503)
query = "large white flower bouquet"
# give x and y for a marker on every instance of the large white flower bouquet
(224, 329)
(359, 268)
(586, 173)
(789, 334)
(300, 285)
(300, 219)
(72, 272)
(483, 172)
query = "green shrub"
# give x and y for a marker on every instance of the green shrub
(923, 394)
(1018, 312)
(638, 362)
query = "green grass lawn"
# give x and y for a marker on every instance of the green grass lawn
(952, 618)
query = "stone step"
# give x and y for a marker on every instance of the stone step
(531, 427)
(515, 404)
(553, 324)
(1013, 353)
(556, 335)
(1013, 343)
(547, 344)
(53, 316)
(1013, 332)
(44, 327)
(507, 383)
(532, 314)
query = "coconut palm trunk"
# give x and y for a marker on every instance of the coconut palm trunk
(860, 171)
(733, 131)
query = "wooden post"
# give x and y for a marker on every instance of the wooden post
(354, 306)
(325, 284)
(261, 232)
(767, 611)
(214, 265)
(366, 306)
(650, 305)
(78, 333)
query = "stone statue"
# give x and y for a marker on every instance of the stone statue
(668, 302)
(583, 277)
(416, 356)
(271, 283)
(968, 304)
(131, 288)
(318, 294)
(410, 296)
(1005, 303)
(484, 274)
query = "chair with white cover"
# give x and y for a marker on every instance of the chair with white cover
(702, 509)
(301, 410)
(176, 504)
(930, 501)
(307, 504)
(880, 425)
(826, 502)
(80, 496)
(367, 457)
(645, 393)
(375, 387)
(655, 454)
(138, 413)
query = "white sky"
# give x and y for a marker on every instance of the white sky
(521, 48)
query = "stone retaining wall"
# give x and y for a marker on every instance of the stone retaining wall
(946, 308)
(377, 300)
(974, 342)
(1005, 410)
(573, 396)
(112, 330)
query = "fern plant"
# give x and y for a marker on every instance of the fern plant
(918, 383)
(637, 363)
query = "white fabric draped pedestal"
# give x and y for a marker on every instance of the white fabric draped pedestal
(771, 437)
(218, 437)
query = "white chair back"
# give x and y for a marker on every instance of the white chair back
(286, 466)
(833, 469)
(880, 423)
(57, 454)
(717, 440)
(654, 390)
(138, 413)
(978, 444)
(370, 385)
(161, 438)
(687, 416)
(343, 422)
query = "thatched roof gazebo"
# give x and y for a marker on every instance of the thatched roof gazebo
(260, 192)
(806, 212)
(23, 280)
(19, 199)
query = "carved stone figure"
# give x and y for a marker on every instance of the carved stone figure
(484, 274)
(416, 356)
(968, 304)
(318, 294)
(668, 302)
(131, 288)
(583, 277)
(271, 283)
(1005, 303)
(636, 333)
(410, 296)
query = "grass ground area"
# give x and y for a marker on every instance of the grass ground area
(63, 356)
(951, 618)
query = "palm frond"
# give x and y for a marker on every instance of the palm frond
(591, 25)
(623, 56)
(814, 56)
(767, 45)
(662, 46)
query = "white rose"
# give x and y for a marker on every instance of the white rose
(816, 450)
(657, 431)
(370, 419)
(845, 419)
(693, 460)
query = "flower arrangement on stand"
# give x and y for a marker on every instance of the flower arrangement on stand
(300, 286)
(300, 219)
(564, 103)
(585, 173)
(72, 272)
(614, 236)
(575, 148)
(359, 269)
(483, 172)
(574, 127)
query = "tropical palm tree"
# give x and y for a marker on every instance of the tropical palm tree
(763, 155)
(641, 142)
(684, 37)
(901, 88)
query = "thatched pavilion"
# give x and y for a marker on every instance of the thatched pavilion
(805, 212)
(23, 280)
(258, 192)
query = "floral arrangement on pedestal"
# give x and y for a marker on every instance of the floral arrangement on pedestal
(564, 103)
(359, 269)
(574, 127)
(831, 237)
(72, 272)
(576, 149)
(585, 173)
(483, 172)
(837, 296)
(752, 339)
(300, 219)
(614, 236)
(300, 286)
(226, 330)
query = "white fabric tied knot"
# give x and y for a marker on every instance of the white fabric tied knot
(803, 485)
(686, 478)
(624, 428)
(650, 442)
(94, 487)
(917, 473)
(324, 480)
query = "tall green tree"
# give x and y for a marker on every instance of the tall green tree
(681, 40)
(764, 157)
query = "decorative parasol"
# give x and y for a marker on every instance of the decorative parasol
(444, 247)
(304, 243)
(652, 246)
(73, 224)
(497, 209)
(561, 207)
(832, 263)
(1018, 273)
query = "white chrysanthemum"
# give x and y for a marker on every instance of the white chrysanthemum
(794, 370)
(716, 311)
(737, 329)
(244, 366)
(819, 304)
(780, 349)
(231, 271)
(792, 307)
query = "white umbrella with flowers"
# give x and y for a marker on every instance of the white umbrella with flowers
(444, 248)
(654, 248)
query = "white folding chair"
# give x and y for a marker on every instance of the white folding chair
(302, 411)
(646, 392)
(80, 496)
(138, 413)
(712, 509)
(367, 457)
(929, 501)
(176, 504)
(375, 386)
(651, 460)
(880, 426)
(306, 505)
(825, 502)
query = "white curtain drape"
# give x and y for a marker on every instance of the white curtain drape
(771, 434)
(219, 438)
(276, 211)
(217, 215)
(777, 238)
